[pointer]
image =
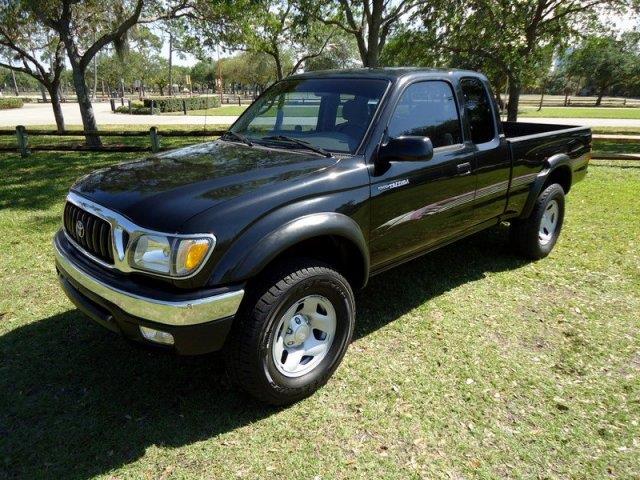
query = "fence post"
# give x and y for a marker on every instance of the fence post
(184, 106)
(153, 103)
(130, 107)
(23, 141)
(155, 139)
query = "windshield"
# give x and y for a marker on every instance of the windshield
(329, 114)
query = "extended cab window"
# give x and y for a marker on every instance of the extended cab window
(427, 109)
(478, 106)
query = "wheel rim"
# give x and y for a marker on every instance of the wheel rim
(549, 222)
(304, 336)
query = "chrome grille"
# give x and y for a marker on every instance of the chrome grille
(91, 233)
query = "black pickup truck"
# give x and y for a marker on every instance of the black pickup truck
(253, 244)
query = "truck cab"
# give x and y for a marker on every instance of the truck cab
(253, 244)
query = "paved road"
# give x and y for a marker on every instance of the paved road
(41, 114)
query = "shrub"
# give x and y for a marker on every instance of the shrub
(135, 109)
(175, 104)
(10, 102)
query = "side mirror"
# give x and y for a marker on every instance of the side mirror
(406, 149)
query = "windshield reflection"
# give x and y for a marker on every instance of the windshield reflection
(328, 114)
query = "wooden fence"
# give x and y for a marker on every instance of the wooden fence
(154, 135)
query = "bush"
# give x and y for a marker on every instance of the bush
(10, 102)
(135, 109)
(175, 104)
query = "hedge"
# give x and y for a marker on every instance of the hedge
(175, 104)
(135, 110)
(10, 102)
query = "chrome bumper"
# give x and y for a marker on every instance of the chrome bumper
(178, 313)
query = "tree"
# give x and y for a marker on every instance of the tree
(603, 62)
(22, 82)
(32, 49)
(204, 73)
(278, 28)
(370, 22)
(341, 52)
(74, 23)
(517, 36)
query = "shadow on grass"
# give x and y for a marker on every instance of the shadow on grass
(78, 401)
(42, 179)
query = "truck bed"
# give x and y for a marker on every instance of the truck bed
(534, 147)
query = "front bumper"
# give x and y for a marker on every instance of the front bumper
(199, 322)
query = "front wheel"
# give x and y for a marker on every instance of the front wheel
(535, 236)
(292, 332)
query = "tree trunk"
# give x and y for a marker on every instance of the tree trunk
(372, 57)
(15, 84)
(170, 64)
(279, 70)
(95, 72)
(600, 95)
(541, 98)
(514, 99)
(43, 92)
(86, 109)
(54, 93)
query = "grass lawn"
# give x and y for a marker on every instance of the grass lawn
(617, 130)
(225, 110)
(581, 112)
(609, 146)
(467, 363)
(39, 140)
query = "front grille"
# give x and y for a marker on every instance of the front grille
(91, 233)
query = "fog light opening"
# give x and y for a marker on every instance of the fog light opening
(156, 336)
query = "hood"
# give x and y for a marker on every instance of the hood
(162, 192)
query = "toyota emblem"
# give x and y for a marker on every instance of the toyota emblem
(80, 229)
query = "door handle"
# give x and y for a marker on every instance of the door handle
(464, 168)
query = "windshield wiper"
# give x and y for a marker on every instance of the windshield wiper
(302, 143)
(238, 136)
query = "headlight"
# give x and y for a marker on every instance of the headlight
(168, 255)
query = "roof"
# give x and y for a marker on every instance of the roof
(391, 73)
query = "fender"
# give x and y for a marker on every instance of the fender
(549, 165)
(287, 236)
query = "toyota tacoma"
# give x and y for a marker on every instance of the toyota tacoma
(253, 244)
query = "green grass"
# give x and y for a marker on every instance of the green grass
(466, 363)
(611, 146)
(228, 110)
(617, 130)
(225, 111)
(581, 112)
(143, 141)
(525, 112)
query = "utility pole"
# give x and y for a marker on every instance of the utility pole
(170, 64)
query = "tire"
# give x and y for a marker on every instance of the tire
(535, 236)
(266, 324)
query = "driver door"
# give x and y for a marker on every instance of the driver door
(419, 204)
